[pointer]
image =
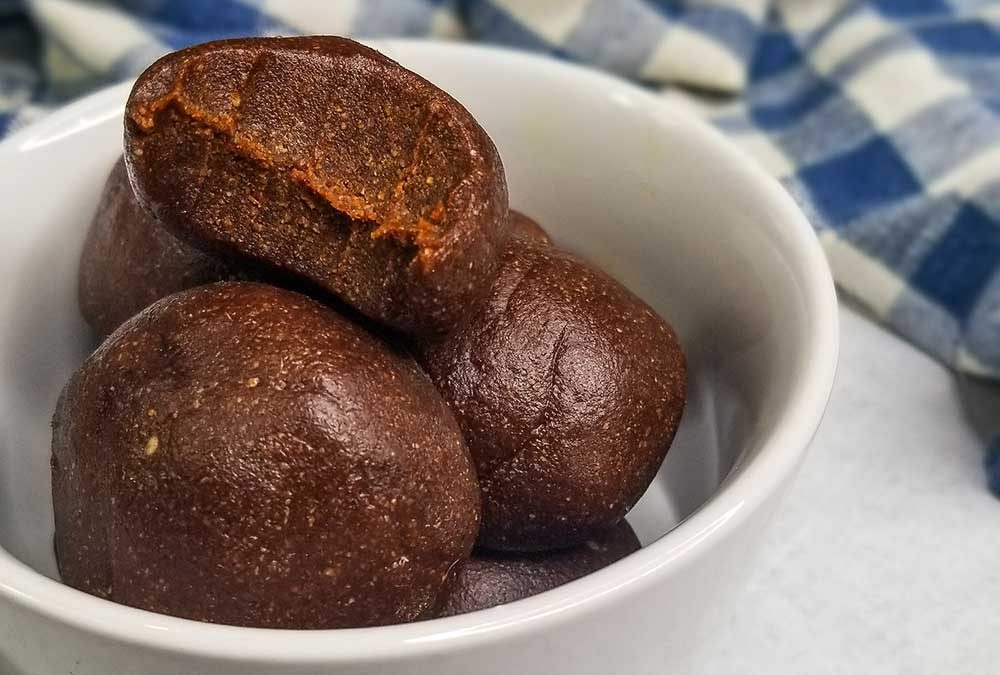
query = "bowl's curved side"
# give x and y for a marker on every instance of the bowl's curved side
(652, 602)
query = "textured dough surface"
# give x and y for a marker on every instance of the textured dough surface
(240, 454)
(130, 261)
(322, 157)
(569, 390)
(523, 227)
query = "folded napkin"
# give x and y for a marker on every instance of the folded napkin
(882, 118)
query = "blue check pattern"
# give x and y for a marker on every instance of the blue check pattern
(882, 118)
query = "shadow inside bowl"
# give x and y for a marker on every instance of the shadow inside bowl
(44, 346)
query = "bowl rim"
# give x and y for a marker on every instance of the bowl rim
(733, 503)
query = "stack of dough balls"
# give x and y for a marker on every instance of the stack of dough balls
(341, 384)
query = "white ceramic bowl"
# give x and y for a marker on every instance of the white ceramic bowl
(654, 196)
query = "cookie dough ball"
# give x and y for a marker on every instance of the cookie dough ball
(569, 390)
(129, 261)
(240, 454)
(523, 227)
(324, 158)
(491, 578)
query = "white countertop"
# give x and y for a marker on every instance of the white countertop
(885, 556)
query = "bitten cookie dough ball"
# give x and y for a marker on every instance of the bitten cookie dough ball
(523, 227)
(241, 454)
(569, 390)
(491, 578)
(323, 158)
(130, 261)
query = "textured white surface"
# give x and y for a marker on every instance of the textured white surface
(885, 556)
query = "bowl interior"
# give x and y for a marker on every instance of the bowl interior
(632, 186)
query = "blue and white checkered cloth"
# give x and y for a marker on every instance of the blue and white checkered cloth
(882, 118)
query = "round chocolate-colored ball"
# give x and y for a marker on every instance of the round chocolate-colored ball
(240, 454)
(492, 578)
(569, 390)
(130, 261)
